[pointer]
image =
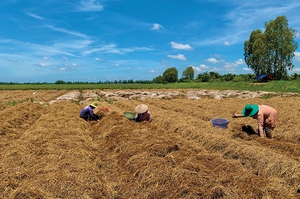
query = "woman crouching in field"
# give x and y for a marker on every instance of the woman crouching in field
(143, 114)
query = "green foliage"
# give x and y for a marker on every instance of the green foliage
(272, 86)
(13, 102)
(60, 82)
(203, 77)
(109, 101)
(158, 79)
(170, 75)
(238, 79)
(271, 52)
(76, 101)
(294, 76)
(214, 75)
(227, 77)
(188, 73)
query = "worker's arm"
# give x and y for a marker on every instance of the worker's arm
(237, 115)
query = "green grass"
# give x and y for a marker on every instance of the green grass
(272, 86)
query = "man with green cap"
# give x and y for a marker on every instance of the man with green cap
(265, 115)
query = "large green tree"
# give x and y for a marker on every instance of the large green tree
(271, 51)
(188, 73)
(170, 75)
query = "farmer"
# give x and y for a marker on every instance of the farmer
(143, 114)
(265, 115)
(88, 114)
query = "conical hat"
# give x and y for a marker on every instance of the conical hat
(142, 108)
(94, 105)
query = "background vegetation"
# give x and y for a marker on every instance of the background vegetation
(211, 80)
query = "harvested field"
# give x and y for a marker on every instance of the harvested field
(47, 151)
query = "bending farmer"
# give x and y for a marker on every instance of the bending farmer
(143, 114)
(88, 114)
(265, 115)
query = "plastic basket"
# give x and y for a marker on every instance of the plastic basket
(129, 115)
(220, 123)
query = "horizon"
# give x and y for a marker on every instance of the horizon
(108, 40)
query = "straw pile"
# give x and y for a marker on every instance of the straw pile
(49, 152)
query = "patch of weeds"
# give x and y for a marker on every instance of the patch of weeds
(77, 101)
(267, 96)
(109, 101)
(13, 103)
(96, 99)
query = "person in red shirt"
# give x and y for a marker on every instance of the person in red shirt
(143, 114)
(265, 115)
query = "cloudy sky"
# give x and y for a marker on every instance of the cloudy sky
(99, 40)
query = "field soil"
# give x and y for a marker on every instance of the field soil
(48, 151)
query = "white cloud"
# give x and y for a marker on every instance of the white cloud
(239, 62)
(297, 56)
(181, 46)
(152, 71)
(98, 59)
(247, 69)
(90, 5)
(179, 56)
(45, 58)
(230, 65)
(204, 66)
(66, 31)
(35, 16)
(226, 43)
(197, 69)
(41, 65)
(65, 58)
(296, 69)
(112, 48)
(212, 60)
(200, 68)
(62, 69)
(117, 64)
(157, 26)
(74, 64)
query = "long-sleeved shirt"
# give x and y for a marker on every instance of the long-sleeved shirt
(144, 117)
(87, 111)
(266, 116)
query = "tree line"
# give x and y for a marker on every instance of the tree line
(171, 76)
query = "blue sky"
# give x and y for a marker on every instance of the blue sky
(99, 40)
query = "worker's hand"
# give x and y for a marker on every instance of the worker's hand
(234, 116)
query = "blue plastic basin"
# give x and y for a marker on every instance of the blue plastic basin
(220, 123)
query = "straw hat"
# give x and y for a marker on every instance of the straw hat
(142, 108)
(94, 104)
(250, 110)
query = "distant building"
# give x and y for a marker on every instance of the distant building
(263, 78)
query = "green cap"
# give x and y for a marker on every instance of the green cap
(250, 110)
